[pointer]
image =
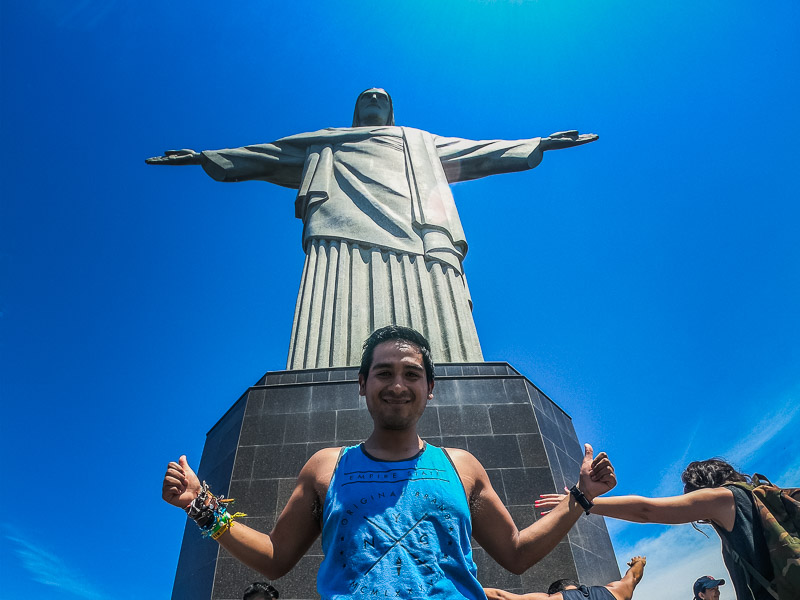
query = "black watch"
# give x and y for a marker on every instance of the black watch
(581, 499)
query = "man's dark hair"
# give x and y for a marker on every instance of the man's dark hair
(710, 473)
(396, 332)
(389, 120)
(561, 584)
(260, 588)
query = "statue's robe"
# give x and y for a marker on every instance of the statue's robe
(383, 240)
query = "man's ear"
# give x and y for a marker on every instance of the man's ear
(362, 385)
(430, 390)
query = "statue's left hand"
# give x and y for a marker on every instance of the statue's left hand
(566, 139)
(175, 157)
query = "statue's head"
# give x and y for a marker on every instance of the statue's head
(373, 107)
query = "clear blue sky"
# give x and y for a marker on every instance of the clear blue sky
(649, 282)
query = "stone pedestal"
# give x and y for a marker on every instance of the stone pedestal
(254, 453)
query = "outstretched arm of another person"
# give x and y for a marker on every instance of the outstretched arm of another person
(495, 594)
(496, 532)
(709, 504)
(272, 554)
(623, 589)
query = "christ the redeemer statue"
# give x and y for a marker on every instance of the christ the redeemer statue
(382, 236)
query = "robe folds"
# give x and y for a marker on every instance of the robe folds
(382, 237)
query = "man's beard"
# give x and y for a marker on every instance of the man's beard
(397, 422)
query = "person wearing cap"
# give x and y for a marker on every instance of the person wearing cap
(707, 588)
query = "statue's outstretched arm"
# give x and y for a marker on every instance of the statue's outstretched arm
(566, 139)
(176, 157)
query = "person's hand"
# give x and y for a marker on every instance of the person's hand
(635, 559)
(549, 501)
(176, 157)
(566, 139)
(597, 474)
(181, 485)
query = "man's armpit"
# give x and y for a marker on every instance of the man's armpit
(316, 511)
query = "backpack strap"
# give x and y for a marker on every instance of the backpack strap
(751, 570)
(759, 479)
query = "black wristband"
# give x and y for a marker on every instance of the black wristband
(585, 503)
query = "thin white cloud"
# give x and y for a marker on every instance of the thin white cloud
(744, 451)
(676, 557)
(49, 569)
(791, 476)
(670, 483)
(769, 428)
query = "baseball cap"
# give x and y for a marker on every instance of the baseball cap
(706, 582)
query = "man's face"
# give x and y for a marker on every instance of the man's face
(373, 107)
(396, 388)
(709, 594)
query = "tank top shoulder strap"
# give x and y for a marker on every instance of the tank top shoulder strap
(339, 458)
(455, 469)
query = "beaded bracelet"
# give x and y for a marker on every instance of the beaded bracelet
(210, 513)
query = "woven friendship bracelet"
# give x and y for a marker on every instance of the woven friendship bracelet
(211, 514)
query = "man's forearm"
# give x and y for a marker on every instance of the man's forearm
(252, 548)
(536, 541)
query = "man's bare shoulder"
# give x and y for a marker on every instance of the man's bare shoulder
(318, 470)
(323, 460)
(462, 456)
(469, 468)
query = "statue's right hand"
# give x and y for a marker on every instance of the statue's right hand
(181, 484)
(176, 157)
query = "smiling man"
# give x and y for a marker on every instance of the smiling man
(382, 236)
(396, 514)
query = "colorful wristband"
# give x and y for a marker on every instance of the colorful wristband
(210, 513)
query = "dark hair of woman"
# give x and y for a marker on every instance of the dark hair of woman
(710, 473)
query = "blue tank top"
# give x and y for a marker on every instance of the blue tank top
(397, 530)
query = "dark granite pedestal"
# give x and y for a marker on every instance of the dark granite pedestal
(254, 453)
